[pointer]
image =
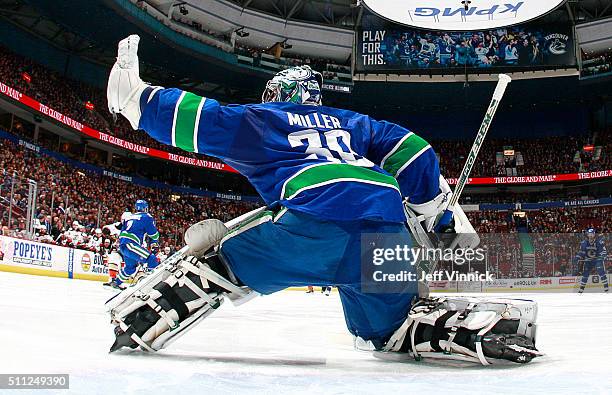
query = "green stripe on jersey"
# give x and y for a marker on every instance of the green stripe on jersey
(319, 175)
(409, 150)
(185, 126)
(138, 250)
(130, 236)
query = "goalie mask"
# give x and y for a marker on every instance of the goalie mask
(299, 85)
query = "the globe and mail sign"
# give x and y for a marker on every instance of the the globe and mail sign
(457, 15)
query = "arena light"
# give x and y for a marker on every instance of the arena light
(457, 15)
(588, 148)
(26, 77)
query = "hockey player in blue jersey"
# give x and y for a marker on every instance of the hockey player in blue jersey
(327, 176)
(136, 228)
(592, 254)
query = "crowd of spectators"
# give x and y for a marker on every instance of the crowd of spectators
(511, 46)
(532, 157)
(538, 156)
(76, 208)
(570, 220)
(554, 234)
(152, 170)
(550, 220)
(69, 97)
(596, 64)
(67, 194)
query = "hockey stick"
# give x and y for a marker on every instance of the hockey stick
(447, 217)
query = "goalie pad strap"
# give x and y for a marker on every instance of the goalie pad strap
(174, 301)
(439, 330)
(198, 291)
(455, 328)
(479, 350)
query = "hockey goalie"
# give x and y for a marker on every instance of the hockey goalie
(327, 177)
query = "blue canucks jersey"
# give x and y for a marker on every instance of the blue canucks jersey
(137, 226)
(595, 251)
(331, 163)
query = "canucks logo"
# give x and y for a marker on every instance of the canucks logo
(556, 47)
(591, 253)
(557, 44)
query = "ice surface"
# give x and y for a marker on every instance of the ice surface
(290, 342)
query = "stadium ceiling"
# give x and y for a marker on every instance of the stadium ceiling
(101, 49)
(347, 13)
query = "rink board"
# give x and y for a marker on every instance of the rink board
(30, 257)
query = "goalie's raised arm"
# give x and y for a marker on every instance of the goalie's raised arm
(171, 116)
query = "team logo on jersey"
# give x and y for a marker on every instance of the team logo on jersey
(591, 253)
(557, 43)
(86, 262)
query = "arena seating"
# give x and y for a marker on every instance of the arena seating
(554, 154)
(69, 97)
(66, 195)
(596, 64)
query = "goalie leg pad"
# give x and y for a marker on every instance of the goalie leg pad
(468, 329)
(164, 305)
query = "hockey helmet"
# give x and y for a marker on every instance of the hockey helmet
(591, 233)
(299, 85)
(141, 206)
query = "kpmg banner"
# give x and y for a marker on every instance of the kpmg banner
(384, 47)
(452, 15)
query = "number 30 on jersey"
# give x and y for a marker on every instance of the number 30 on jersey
(338, 146)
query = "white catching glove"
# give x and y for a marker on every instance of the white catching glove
(124, 84)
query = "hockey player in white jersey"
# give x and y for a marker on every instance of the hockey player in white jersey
(328, 176)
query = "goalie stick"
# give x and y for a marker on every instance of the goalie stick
(445, 221)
